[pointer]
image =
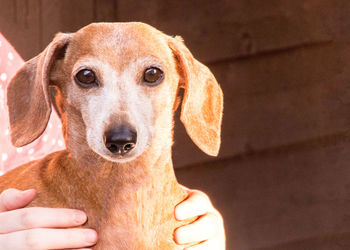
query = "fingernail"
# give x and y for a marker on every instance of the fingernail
(28, 191)
(180, 213)
(91, 236)
(79, 216)
(181, 236)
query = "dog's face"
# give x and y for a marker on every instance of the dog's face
(117, 85)
(122, 86)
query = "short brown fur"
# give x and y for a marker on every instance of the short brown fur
(130, 203)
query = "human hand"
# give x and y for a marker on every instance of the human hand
(40, 228)
(208, 229)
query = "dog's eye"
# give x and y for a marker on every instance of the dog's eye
(86, 78)
(153, 76)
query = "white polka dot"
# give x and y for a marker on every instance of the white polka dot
(2, 172)
(4, 156)
(10, 56)
(60, 143)
(31, 151)
(59, 126)
(0, 43)
(53, 141)
(3, 77)
(50, 125)
(45, 138)
(19, 150)
(7, 131)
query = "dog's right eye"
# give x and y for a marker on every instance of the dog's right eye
(153, 76)
(86, 78)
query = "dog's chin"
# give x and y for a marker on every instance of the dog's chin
(128, 157)
(119, 159)
(105, 154)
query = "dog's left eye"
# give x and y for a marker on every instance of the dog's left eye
(86, 78)
(153, 76)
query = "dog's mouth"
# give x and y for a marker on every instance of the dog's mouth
(119, 158)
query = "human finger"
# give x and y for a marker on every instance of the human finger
(212, 244)
(43, 238)
(196, 204)
(38, 217)
(13, 198)
(200, 230)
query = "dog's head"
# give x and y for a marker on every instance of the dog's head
(117, 86)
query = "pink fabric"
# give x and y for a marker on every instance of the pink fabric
(51, 140)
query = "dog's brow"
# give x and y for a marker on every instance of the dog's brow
(89, 62)
(94, 63)
(149, 60)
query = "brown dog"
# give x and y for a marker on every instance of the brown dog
(116, 90)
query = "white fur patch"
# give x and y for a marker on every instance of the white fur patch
(119, 99)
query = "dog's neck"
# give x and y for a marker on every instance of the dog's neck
(98, 183)
(139, 173)
(123, 201)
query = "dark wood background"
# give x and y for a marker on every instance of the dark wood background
(282, 179)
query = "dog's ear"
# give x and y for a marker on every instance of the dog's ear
(202, 106)
(28, 98)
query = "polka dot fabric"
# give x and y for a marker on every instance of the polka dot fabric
(50, 141)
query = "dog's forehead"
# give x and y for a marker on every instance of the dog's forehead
(120, 42)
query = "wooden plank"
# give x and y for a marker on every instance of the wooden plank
(76, 13)
(52, 20)
(214, 32)
(217, 30)
(105, 10)
(20, 23)
(278, 99)
(280, 199)
(69, 16)
(38, 21)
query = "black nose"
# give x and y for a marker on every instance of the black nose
(120, 140)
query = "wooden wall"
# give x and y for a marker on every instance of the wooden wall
(282, 179)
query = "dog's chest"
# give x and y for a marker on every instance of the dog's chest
(136, 230)
(127, 212)
(142, 221)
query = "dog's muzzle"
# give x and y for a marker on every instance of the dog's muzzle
(120, 140)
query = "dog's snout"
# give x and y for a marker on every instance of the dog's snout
(120, 140)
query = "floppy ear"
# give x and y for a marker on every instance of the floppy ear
(202, 106)
(28, 98)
